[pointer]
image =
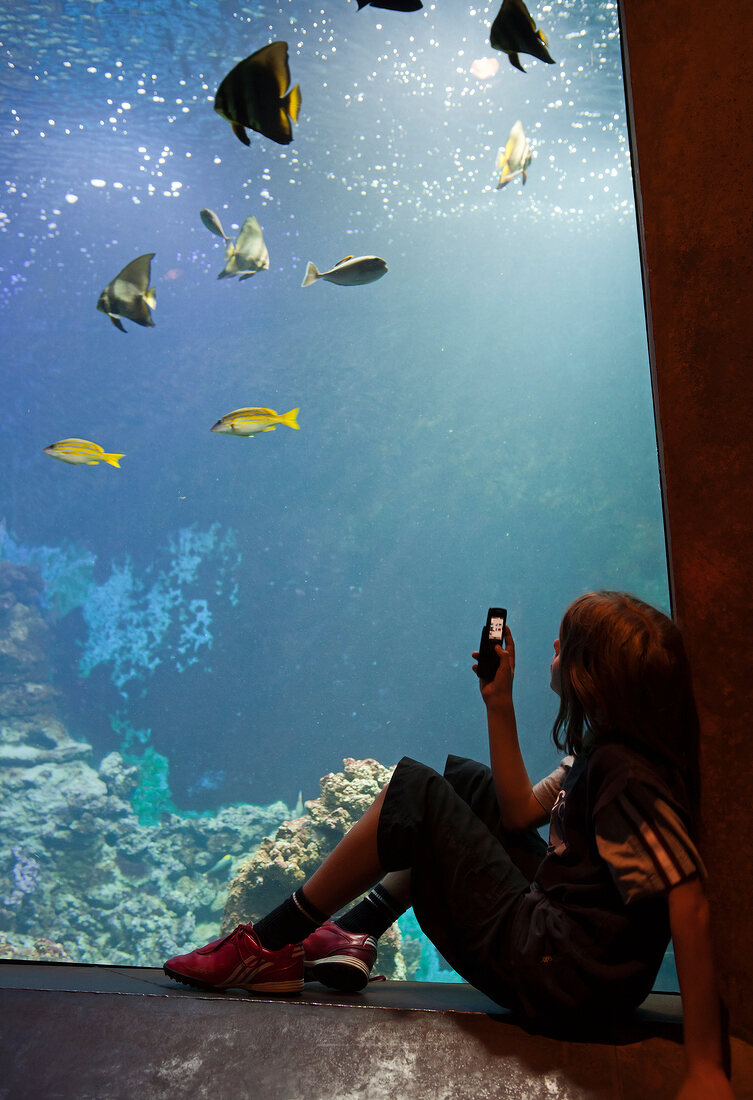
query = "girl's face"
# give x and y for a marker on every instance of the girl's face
(554, 669)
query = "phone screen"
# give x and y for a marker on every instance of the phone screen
(497, 628)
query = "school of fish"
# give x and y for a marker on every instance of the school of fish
(257, 94)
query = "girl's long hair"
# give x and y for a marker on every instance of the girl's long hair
(625, 676)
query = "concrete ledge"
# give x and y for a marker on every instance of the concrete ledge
(112, 1032)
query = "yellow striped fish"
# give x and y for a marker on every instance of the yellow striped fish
(253, 421)
(81, 452)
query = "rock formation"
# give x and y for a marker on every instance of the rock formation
(81, 879)
(284, 862)
(79, 876)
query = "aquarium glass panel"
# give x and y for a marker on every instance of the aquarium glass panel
(203, 615)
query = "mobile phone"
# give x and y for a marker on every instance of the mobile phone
(492, 634)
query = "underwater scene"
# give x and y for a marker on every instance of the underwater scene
(308, 360)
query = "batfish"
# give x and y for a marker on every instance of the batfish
(255, 95)
(129, 294)
(249, 253)
(514, 32)
(514, 158)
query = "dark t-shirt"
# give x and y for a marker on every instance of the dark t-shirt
(575, 943)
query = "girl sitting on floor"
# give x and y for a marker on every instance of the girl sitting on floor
(572, 931)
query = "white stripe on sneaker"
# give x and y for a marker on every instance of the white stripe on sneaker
(342, 960)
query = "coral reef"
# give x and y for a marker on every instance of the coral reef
(133, 627)
(76, 866)
(32, 949)
(98, 865)
(80, 876)
(140, 627)
(283, 862)
(67, 571)
(31, 733)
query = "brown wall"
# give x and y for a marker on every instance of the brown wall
(689, 73)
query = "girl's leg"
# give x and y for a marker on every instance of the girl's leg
(463, 886)
(381, 907)
(397, 884)
(347, 872)
(269, 956)
(352, 868)
(341, 953)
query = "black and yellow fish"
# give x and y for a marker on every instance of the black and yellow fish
(514, 32)
(255, 95)
(129, 294)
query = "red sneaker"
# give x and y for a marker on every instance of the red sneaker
(238, 961)
(342, 960)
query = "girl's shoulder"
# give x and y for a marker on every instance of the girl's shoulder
(617, 751)
(614, 766)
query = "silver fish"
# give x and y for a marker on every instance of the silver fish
(213, 224)
(129, 294)
(249, 254)
(350, 271)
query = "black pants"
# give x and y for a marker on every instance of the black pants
(468, 873)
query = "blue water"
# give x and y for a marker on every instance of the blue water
(476, 428)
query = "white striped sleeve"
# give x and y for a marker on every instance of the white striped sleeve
(546, 790)
(645, 843)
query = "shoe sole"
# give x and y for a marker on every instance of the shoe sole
(293, 986)
(339, 972)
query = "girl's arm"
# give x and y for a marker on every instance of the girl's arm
(689, 923)
(520, 808)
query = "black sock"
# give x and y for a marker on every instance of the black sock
(290, 922)
(373, 915)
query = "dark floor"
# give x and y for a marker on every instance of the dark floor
(119, 1032)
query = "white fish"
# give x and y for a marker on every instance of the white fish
(249, 254)
(513, 159)
(350, 271)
